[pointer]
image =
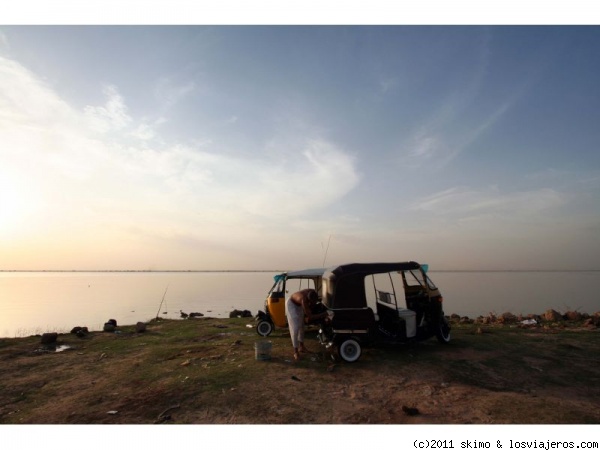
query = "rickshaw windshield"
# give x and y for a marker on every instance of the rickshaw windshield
(416, 278)
(413, 278)
(430, 283)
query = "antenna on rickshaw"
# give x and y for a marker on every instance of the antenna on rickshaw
(326, 250)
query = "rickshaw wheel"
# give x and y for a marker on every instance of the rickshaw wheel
(264, 328)
(349, 350)
(443, 331)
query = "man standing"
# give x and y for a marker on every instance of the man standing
(298, 306)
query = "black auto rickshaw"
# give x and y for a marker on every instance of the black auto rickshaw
(380, 303)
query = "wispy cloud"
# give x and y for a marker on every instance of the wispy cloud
(452, 126)
(111, 116)
(118, 168)
(461, 202)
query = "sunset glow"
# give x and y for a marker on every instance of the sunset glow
(208, 147)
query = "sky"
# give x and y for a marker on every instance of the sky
(209, 147)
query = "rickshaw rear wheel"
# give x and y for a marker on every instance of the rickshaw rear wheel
(443, 331)
(349, 350)
(264, 328)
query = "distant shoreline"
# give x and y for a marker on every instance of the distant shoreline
(136, 271)
(281, 271)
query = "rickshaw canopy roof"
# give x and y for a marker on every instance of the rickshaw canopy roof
(369, 268)
(345, 283)
(305, 273)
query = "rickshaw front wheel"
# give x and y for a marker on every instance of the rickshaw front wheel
(443, 331)
(349, 350)
(264, 328)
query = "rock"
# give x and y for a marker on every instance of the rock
(49, 338)
(80, 331)
(552, 316)
(410, 411)
(572, 315)
(109, 327)
(507, 318)
(196, 314)
(592, 322)
(237, 313)
(113, 322)
(491, 318)
(140, 327)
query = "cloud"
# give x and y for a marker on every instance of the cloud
(169, 93)
(455, 124)
(4, 44)
(100, 167)
(469, 203)
(112, 116)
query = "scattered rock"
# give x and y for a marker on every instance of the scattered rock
(165, 416)
(507, 318)
(237, 313)
(80, 332)
(110, 326)
(196, 314)
(572, 315)
(552, 316)
(410, 411)
(49, 338)
(140, 327)
(592, 322)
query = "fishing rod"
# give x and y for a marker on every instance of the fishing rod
(161, 302)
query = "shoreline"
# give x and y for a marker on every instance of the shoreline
(549, 319)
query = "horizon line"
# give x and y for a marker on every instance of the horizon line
(258, 270)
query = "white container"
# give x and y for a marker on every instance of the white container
(410, 318)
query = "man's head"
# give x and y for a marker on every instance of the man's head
(313, 297)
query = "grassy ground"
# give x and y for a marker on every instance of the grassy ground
(205, 371)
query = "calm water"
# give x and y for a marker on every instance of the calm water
(36, 302)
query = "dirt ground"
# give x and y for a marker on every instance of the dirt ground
(206, 372)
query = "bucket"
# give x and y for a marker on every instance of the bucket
(263, 350)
